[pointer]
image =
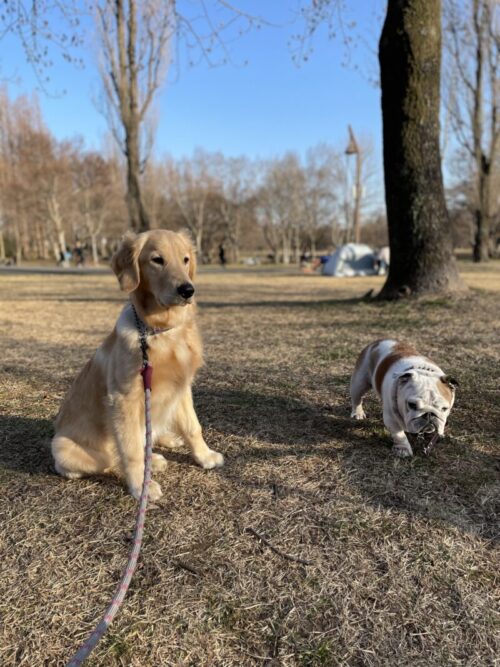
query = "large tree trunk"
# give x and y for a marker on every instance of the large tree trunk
(422, 258)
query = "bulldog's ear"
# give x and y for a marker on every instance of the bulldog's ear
(451, 382)
(125, 262)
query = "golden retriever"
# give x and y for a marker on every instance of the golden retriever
(100, 426)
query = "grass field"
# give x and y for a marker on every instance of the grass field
(403, 560)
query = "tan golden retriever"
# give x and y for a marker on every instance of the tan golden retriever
(100, 427)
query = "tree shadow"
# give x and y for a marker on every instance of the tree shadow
(454, 486)
(457, 484)
(273, 303)
(25, 444)
(63, 298)
(290, 423)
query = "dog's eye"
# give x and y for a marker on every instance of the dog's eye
(186, 260)
(412, 405)
(444, 409)
(158, 260)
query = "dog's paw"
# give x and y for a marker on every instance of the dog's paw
(210, 459)
(154, 491)
(169, 441)
(402, 451)
(359, 413)
(61, 470)
(158, 462)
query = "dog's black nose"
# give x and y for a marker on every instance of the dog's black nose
(186, 290)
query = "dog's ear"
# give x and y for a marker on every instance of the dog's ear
(125, 261)
(186, 235)
(451, 382)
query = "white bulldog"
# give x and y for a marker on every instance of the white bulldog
(416, 395)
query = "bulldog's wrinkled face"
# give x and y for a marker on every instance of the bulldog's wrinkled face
(159, 265)
(425, 402)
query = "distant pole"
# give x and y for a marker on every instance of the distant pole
(353, 149)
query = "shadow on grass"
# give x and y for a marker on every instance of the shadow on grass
(25, 444)
(292, 423)
(457, 484)
(273, 303)
(63, 298)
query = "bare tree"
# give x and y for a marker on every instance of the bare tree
(43, 27)
(134, 36)
(234, 179)
(26, 159)
(319, 196)
(138, 38)
(93, 181)
(473, 101)
(191, 184)
(281, 206)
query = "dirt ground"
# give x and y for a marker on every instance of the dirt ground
(402, 562)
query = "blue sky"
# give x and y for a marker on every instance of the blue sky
(261, 108)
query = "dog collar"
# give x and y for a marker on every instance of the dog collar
(144, 332)
(143, 327)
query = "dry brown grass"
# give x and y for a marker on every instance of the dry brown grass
(404, 554)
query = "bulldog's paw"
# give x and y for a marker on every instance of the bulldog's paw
(402, 451)
(158, 462)
(358, 413)
(210, 459)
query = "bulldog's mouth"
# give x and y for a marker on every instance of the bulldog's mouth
(424, 424)
(424, 441)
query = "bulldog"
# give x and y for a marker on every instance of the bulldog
(416, 394)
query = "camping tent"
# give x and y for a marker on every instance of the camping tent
(352, 259)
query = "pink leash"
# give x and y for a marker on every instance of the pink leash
(85, 650)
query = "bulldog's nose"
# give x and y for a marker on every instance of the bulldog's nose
(186, 290)
(430, 425)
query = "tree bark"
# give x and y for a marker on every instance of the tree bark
(422, 258)
(482, 217)
(286, 248)
(139, 219)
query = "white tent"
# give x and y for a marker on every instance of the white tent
(352, 259)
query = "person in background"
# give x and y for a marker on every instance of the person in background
(78, 253)
(222, 256)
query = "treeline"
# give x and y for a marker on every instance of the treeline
(56, 196)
